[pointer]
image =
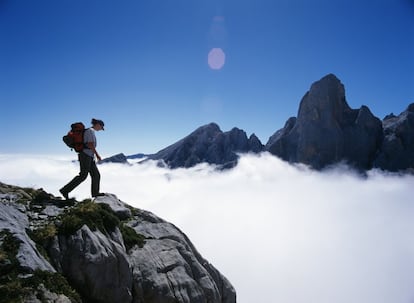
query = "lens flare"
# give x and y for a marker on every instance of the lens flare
(216, 58)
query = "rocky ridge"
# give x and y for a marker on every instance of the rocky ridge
(326, 131)
(53, 250)
(211, 145)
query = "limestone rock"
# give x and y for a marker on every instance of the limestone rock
(16, 222)
(103, 258)
(118, 158)
(209, 144)
(119, 207)
(397, 149)
(169, 268)
(328, 131)
(95, 264)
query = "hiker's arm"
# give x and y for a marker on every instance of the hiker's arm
(91, 147)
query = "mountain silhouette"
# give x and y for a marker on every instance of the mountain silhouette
(211, 145)
(326, 131)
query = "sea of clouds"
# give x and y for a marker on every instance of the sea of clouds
(279, 233)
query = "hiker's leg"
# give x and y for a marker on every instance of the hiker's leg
(96, 179)
(85, 165)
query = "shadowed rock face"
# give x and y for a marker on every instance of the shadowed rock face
(327, 130)
(104, 249)
(209, 144)
(118, 158)
(397, 149)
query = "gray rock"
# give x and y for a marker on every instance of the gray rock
(397, 149)
(118, 158)
(51, 211)
(95, 264)
(46, 296)
(209, 144)
(119, 207)
(16, 222)
(167, 268)
(328, 131)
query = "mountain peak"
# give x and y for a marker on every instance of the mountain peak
(208, 144)
(326, 96)
(327, 130)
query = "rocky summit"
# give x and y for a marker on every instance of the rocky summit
(101, 250)
(397, 149)
(211, 145)
(327, 131)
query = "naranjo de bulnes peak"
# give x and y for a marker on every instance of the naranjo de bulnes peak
(325, 132)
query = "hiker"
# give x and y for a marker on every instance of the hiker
(87, 162)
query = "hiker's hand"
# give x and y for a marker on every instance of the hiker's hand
(98, 157)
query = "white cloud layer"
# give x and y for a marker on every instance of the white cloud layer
(279, 233)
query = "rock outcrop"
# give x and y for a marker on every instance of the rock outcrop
(98, 251)
(397, 149)
(209, 144)
(118, 158)
(327, 131)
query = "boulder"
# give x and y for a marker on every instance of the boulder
(122, 211)
(169, 269)
(95, 264)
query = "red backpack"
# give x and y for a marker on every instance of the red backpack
(74, 138)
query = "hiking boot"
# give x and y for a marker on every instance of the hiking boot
(64, 194)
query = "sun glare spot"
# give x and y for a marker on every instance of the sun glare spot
(216, 58)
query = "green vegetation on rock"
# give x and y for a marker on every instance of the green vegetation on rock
(16, 284)
(95, 216)
(131, 238)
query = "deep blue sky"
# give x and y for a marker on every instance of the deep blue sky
(141, 66)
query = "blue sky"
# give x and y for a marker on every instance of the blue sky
(141, 66)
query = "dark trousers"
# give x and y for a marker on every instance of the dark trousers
(87, 166)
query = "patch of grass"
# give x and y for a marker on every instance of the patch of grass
(43, 234)
(94, 215)
(54, 282)
(42, 237)
(17, 289)
(131, 237)
(40, 197)
(12, 292)
(8, 250)
(97, 216)
(13, 287)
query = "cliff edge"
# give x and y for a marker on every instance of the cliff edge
(54, 250)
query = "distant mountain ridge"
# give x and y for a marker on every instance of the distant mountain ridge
(325, 132)
(209, 144)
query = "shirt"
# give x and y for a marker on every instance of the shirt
(88, 137)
